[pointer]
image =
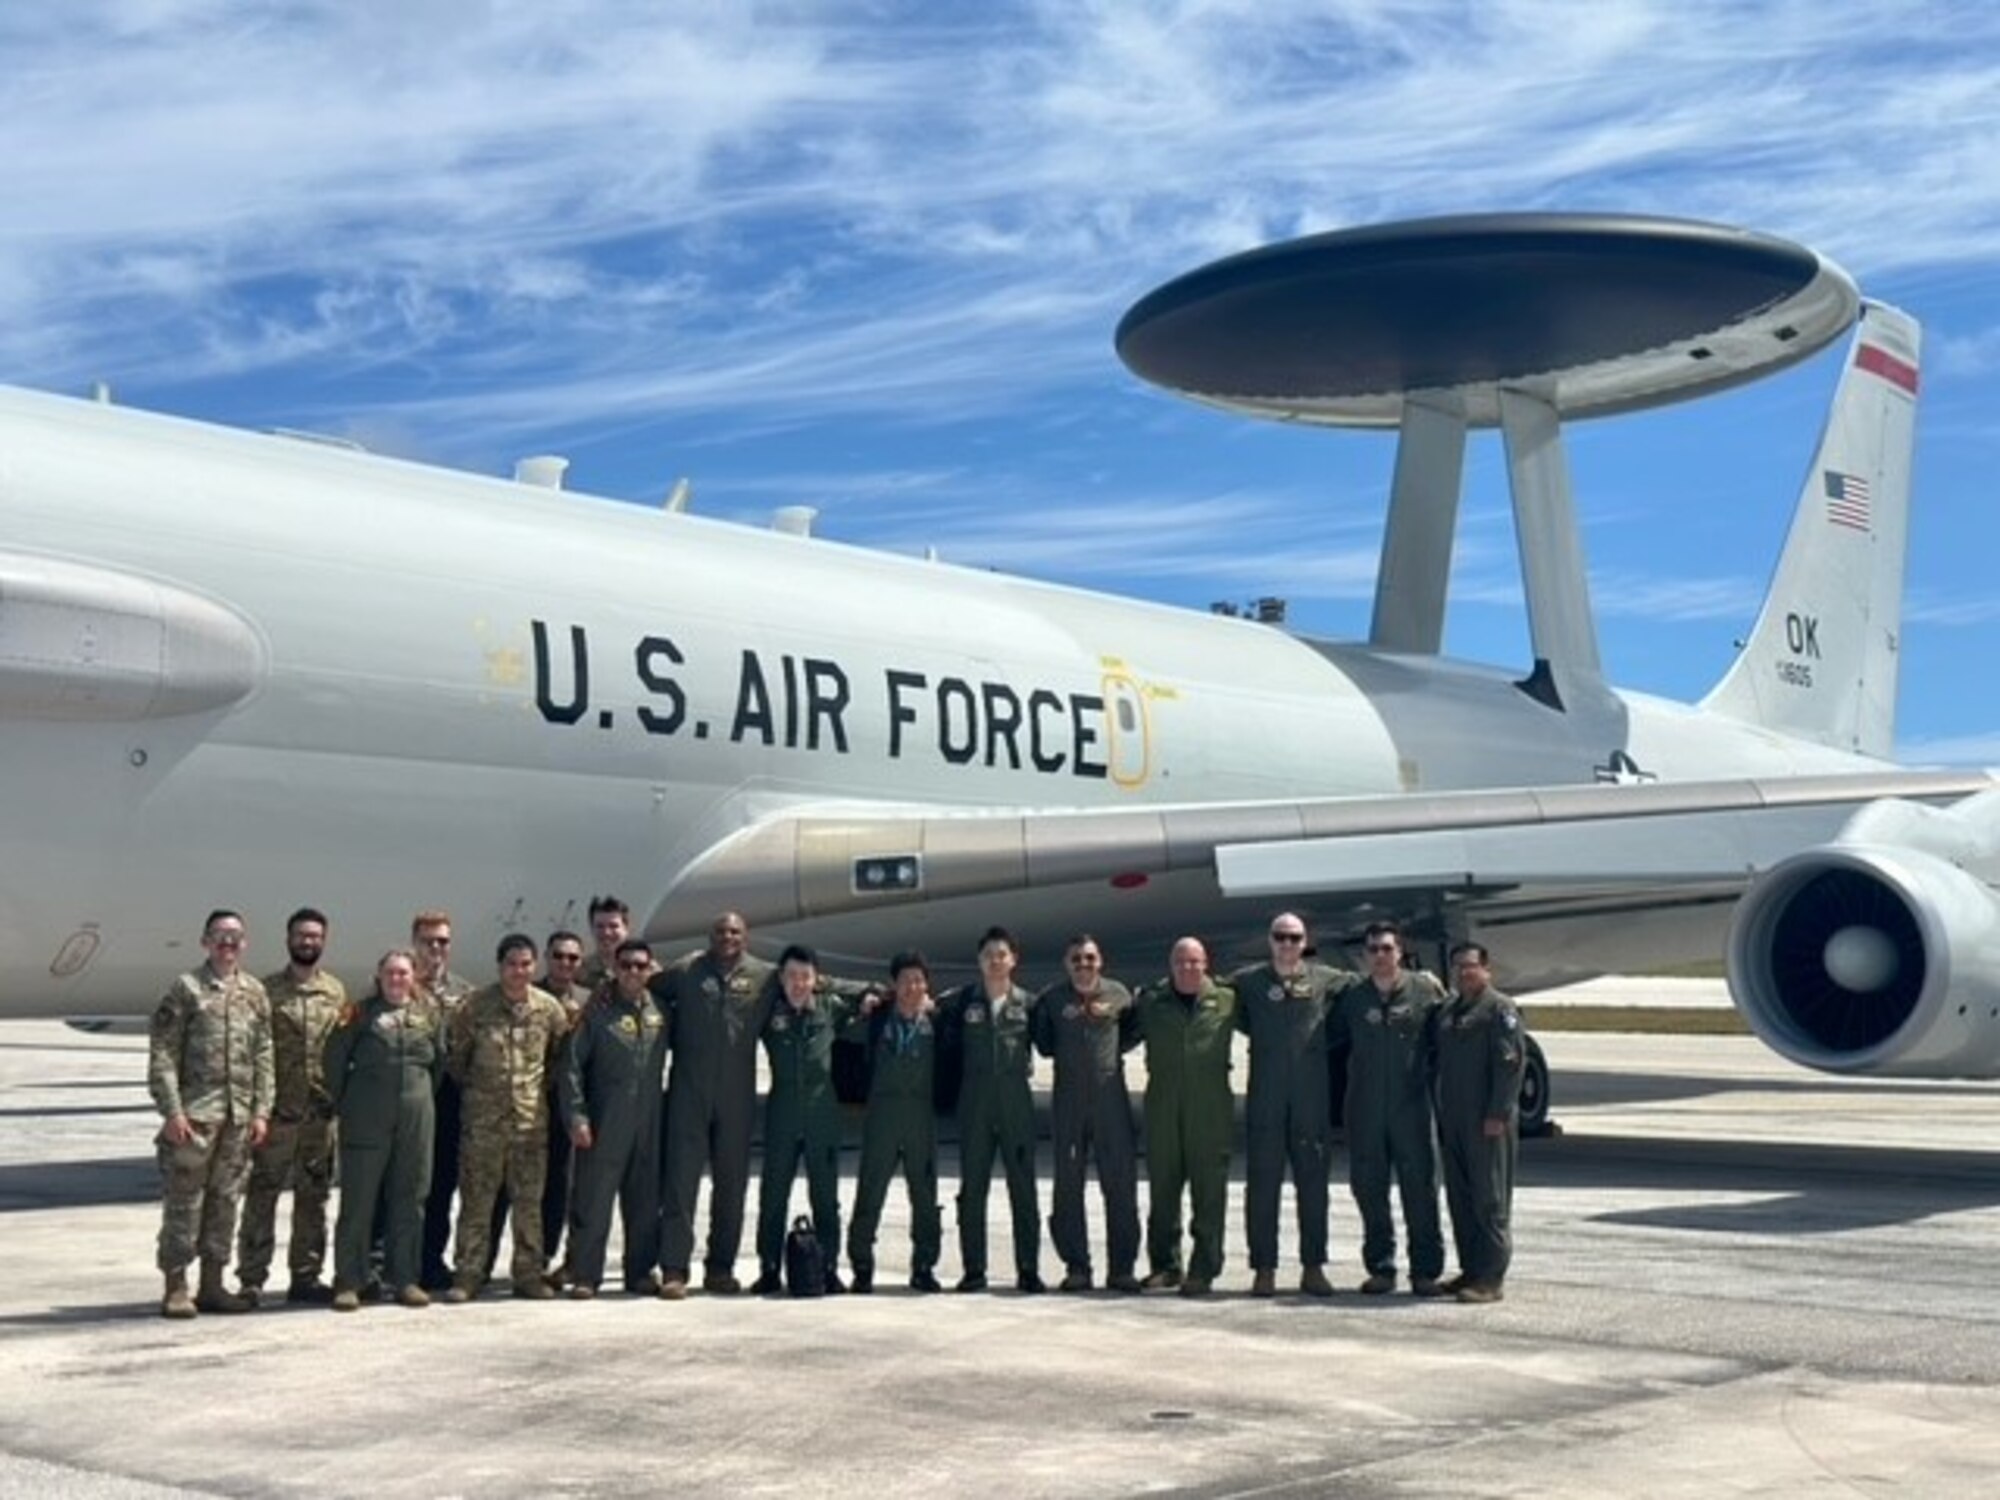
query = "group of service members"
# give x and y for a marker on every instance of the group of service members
(537, 1103)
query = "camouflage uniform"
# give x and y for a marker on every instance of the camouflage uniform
(299, 1150)
(716, 1016)
(1289, 1111)
(610, 1081)
(1389, 1118)
(443, 998)
(1480, 1058)
(502, 1053)
(209, 1058)
(1190, 1115)
(1091, 1118)
(383, 1063)
(556, 1190)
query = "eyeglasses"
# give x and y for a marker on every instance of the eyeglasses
(1381, 947)
(1288, 937)
(226, 939)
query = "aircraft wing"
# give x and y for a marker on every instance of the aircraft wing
(824, 861)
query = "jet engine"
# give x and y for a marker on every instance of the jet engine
(1880, 952)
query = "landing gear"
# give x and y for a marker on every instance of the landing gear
(1535, 1091)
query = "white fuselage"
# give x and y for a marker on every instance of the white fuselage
(471, 694)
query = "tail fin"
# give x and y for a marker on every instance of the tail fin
(1821, 663)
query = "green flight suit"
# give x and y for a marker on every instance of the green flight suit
(801, 1121)
(609, 1079)
(1091, 1118)
(716, 1017)
(1481, 1055)
(901, 1125)
(996, 1116)
(444, 996)
(1389, 1118)
(1289, 1111)
(1189, 1115)
(383, 1063)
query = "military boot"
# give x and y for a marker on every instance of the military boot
(176, 1303)
(214, 1297)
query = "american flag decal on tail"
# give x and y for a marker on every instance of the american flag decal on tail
(1847, 500)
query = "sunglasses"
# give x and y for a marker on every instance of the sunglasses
(565, 958)
(1288, 937)
(633, 965)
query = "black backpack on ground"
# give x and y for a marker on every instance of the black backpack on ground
(805, 1265)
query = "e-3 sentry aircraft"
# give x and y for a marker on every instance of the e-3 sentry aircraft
(250, 670)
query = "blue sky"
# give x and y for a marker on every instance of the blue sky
(869, 257)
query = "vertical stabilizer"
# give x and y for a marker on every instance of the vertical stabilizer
(1821, 663)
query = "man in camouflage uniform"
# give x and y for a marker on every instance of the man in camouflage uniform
(716, 1002)
(1087, 1024)
(1189, 1024)
(564, 954)
(985, 1026)
(801, 1114)
(306, 1001)
(1386, 1020)
(500, 1045)
(1481, 1055)
(610, 1077)
(901, 1123)
(443, 992)
(1283, 1005)
(209, 1069)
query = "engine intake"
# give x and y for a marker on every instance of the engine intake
(1865, 959)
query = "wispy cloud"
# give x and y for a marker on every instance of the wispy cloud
(794, 212)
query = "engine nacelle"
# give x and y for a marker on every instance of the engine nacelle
(1861, 958)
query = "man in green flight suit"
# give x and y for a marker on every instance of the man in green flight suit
(610, 1086)
(1087, 1025)
(382, 1065)
(1386, 1020)
(1188, 1022)
(901, 1124)
(801, 1114)
(985, 1025)
(716, 1003)
(1481, 1055)
(1283, 1005)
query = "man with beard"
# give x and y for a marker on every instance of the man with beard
(306, 1002)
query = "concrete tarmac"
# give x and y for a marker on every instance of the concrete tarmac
(1732, 1277)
